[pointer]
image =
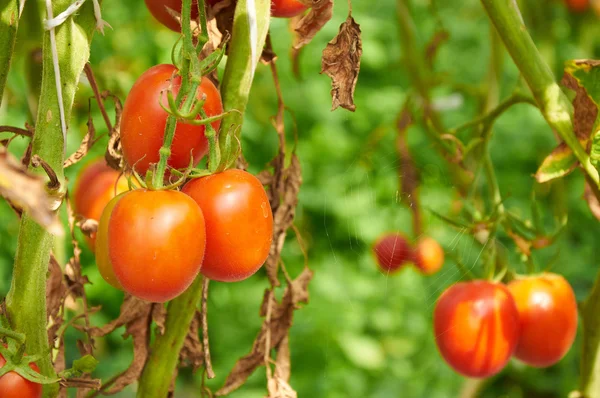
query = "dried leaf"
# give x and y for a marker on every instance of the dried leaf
(86, 143)
(114, 153)
(159, 316)
(192, 353)
(276, 328)
(341, 62)
(591, 197)
(27, 192)
(585, 111)
(307, 27)
(278, 385)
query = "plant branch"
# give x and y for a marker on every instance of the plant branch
(9, 23)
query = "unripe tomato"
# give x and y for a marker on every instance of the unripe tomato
(287, 8)
(159, 11)
(428, 256)
(143, 120)
(13, 385)
(392, 251)
(577, 5)
(239, 223)
(95, 186)
(156, 243)
(476, 327)
(102, 258)
(548, 312)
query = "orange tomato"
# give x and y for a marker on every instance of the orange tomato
(428, 256)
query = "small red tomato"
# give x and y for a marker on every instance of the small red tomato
(239, 223)
(287, 8)
(158, 9)
(156, 243)
(95, 186)
(102, 258)
(548, 312)
(577, 5)
(13, 385)
(143, 120)
(428, 256)
(392, 251)
(476, 327)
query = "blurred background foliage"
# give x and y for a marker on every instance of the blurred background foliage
(364, 333)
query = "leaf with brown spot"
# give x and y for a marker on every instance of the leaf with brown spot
(277, 328)
(585, 110)
(341, 62)
(559, 163)
(318, 16)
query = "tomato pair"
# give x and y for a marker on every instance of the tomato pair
(13, 385)
(479, 325)
(392, 251)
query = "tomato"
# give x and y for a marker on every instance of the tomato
(159, 11)
(548, 312)
(13, 385)
(476, 327)
(156, 243)
(239, 223)
(143, 120)
(428, 256)
(391, 251)
(577, 5)
(287, 8)
(95, 186)
(102, 258)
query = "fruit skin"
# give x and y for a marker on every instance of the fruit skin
(548, 312)
(156, 243)
(239, 223)
(95, 186)
(391, 251)
(577, 5)
(143, 120)
(158, 11)
(476, 327)
(286, 8)
(13, 385)
(102, 258)
(428, 256)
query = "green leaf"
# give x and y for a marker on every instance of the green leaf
(558, 164)
(85, 364)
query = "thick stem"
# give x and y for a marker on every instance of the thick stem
(553, 103)
(589, 386)
(9, 22)
(26, 300)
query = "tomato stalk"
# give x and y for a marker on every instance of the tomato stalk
(26, 299)
(589, 385)
(9, 22)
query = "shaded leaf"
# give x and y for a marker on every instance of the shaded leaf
(318, 16)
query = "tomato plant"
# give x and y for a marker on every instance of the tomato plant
(239, 223)
(95, 186)
(158, 9)
(476, 327)
(287, 8)
(13, 385)
(143, 120)
(156, 243)
(428, 256)
(391, 251)
(545, 303)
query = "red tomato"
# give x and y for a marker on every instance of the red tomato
(95, 186)
(156, 243)
(577, 5)
(548, 312)
(476, 327)
(158, 9)
(102, 258)
(13, 385)
(287, 8)
(143, 120)
(428, 256)
(239, 223)
(392, 251)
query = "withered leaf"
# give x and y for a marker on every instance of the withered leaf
(341, 62)
(591, 197)
(192, 353)
(86, 143)
(278, 386)
(585, 110)
(114, 153)
(276, 329)
(318, 16)
(28, 192)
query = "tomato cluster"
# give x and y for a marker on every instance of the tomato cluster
(393, 251)
(479, 325)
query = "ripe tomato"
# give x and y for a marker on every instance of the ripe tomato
(577, 5)
(392, 251)
(156, 243)
(239, 222)
(13, 385)
(428, 256)
(95, 186)
(548, 312)
(102, 258)
(159, 11)
(287, 8)
(143, 120)
(476, 327)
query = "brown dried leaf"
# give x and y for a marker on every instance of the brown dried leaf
(86, 143)
(114, 153)
(220, 20)
(268, 55)
(318, 16)
(341, 62)
(591, 197)
(87, 225)
(192, 353)
(585, 109)
(276, 328)
(159, 316)
(27, 192)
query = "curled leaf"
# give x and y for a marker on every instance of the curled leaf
(307, 27)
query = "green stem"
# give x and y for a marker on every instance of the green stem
(589, 386)
(553, 103)
(9, 23)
